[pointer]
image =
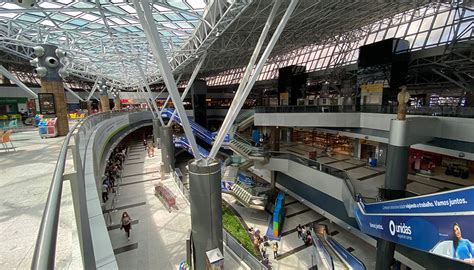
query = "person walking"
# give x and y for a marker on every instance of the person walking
(126, 224)
(299, 229)
(275, 250)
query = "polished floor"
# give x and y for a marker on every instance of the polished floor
(25, 179)
(158, 234)
(367, 180)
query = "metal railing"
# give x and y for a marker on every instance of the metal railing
(448, 111)
(322, 168)
(242, 253)
(45, 249)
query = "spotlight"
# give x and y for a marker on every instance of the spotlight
(60, 53)
(25, 3)
(34, 62)
(39, 50)
(40, 71)
(63, 73)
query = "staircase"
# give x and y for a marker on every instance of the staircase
(230, 173)
(243, 147)
(242, 194)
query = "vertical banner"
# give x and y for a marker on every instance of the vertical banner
(440, 223)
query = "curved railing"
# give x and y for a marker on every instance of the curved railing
(45, 249)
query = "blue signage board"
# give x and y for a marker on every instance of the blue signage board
(440, 223)
(460, 200)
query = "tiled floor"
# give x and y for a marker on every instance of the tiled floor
(158, 239)
(370, 179)
(25, 179)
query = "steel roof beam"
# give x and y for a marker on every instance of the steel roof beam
(13, 78)
(148, 22)
(244, 92)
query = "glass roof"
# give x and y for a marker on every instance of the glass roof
(102, 37)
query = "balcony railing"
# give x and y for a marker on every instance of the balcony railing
(448, 111)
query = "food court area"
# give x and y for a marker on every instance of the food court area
(364, 160)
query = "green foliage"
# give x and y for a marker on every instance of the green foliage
(233, 226)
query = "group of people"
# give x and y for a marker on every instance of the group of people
(262, 243)
(112, 171)
(304, 233)
(149, 148)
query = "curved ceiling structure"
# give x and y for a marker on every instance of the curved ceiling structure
(106, 39)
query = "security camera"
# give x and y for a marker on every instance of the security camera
(52, 62)
(39, 50)
(40, 71)
(25, 3)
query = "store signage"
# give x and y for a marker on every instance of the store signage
(46, 103)
(440, 223)
(372, 88)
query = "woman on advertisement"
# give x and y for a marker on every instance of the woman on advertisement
(462, 248)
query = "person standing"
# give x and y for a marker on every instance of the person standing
(303, 233)
(275, 250)
(299, 229)
(126, 224)
(105, 192)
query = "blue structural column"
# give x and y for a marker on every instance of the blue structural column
(396, 173)
(167, 148)
(206, 209)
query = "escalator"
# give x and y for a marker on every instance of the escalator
(198, 130)
(332, 255)
(182, 142)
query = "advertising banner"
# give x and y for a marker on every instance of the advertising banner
(440, 223)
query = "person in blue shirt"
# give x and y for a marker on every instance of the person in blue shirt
(462, 248)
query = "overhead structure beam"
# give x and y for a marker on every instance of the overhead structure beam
(13, 78)
(164, 88)
(188, 86)
(150, 107)
(450, 79)
(148, 23)
(244, 91)
(94, 87)
(73, 93)
(148, 90)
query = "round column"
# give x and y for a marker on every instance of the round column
(396, 172)
(167, 148)
(49, 68)
(104, 96)
(117, 103)
(156, 130)
(206, 209)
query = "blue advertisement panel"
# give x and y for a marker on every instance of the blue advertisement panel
(434, 229)
(460, 200)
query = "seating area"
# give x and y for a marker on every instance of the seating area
(74, 116)
(5, 139)
(9, 124)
